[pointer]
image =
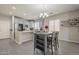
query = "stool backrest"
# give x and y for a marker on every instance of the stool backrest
(55, 34)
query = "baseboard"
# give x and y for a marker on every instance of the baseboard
(27, 41)
(23, 42)
(5, 38)
(70, 41)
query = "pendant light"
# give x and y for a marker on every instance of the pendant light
(43, 14)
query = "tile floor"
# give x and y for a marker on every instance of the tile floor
(9, 47)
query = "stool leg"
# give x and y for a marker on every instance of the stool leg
(51, 48)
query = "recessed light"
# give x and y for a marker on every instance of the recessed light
(24, 14)
(10, 13)
(13, 7)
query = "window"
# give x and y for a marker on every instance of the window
(37, 26)
(51, 25)
(54, 25)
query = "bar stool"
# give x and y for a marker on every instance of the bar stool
(55, 41)
(49, 42)
(52, 40)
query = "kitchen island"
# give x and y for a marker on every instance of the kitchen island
(23, 36)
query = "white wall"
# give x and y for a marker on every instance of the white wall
(5, 26)
(67, 34)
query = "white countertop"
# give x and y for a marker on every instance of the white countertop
(42, 32)
(24, 31)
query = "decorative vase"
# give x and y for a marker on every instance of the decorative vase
(46, 28)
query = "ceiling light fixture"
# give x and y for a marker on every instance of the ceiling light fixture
(10, 13)
(13, 8)
(43, 14)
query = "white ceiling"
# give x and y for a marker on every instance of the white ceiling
(32, 11)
